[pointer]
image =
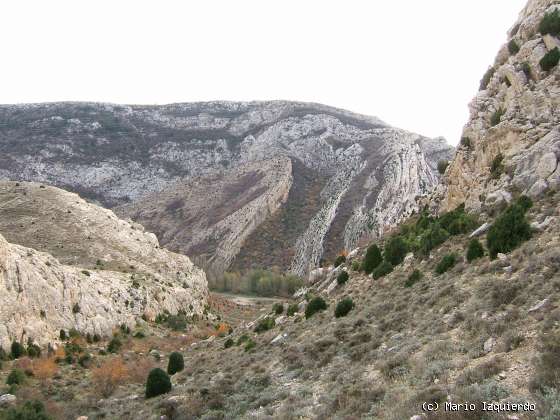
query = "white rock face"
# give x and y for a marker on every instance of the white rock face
(527, 135)
(119, 155)
(41, 294)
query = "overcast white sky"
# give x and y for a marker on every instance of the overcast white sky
(414, 64)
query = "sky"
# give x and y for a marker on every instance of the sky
(414, 64)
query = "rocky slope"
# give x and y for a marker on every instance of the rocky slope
(369, 173)
(513, 125)
(77, 265)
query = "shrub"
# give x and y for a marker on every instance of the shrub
(76, 308)
(486, 78)
(547, 366)
(176, 322)
(343, 307)
(265, 324)
(242, 339)
(250, 345)
(158, 383)
(62, 335)
(509, 230)
(339, 260)
(372, 259)
(447, 262)
(442, 166)
(497, 116)
(497, 167)
(466, 142)
(342, 277)
(475, 250)
(395, 250)
(292, 309)
(550, 23)
(413, 278)
(86, 273)
(17, 350)
(30, 410)
(524, 202)
(176, 363)
(550, 59)
(257, 282)
(228, 343)
(526, 68)
(114, 345)
(96, 338)
(16, 377)
(278, 308)
(434, 236)
(33, 350)
(356, 265)
(457, 221)
(383, 269)
(513, 48)
(315, 305)
(84, 360)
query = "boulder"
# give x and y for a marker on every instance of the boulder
(551, 42)
(498, 200)
(539, 306)
(547, 165)
(7, 399)
(538, 189)
(489, 344)
(480, 230)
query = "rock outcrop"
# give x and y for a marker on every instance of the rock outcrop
(71, 264)
(512, 140)
(352, 176)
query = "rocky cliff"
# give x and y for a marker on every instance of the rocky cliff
(77, 265)
(352, 176)
(511, 143)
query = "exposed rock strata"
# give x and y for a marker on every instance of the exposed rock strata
(527, 135)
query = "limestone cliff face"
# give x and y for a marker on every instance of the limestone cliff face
(76, 265)
(339, 177)
(515, 117)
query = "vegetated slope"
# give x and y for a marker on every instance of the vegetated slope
(117, 154)
(71, 264)
(211, 217)
(511, 142)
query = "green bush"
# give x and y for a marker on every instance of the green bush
(158, 383)
(33, 350)
(315, 305)
(513, 48)
(447, 262)
(466, 142)
(17, 350)
(265, 324)
(497, 167)
(62, 335)
(496, 117)
(176, 363)
(229, 342)
(176, 322)
(486, 78)
(550, 23)
(475, 250)
(76, 308)
(442, 166)
(249, 345)
(395, 250)
(414, 277)
(382, 269)
(356, 265)
(242, 339)
(342, 277)
(550, 60)
(341, 259)
(15, 377)
(30, 410)
(372, 259)
(526, 68)
(434, 236)
(278, 308)
(114, 345)
(343, 307)
(509, 230)
(457, 222)
(256, 282)
(292, 309)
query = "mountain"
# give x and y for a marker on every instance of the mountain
(69, 264)
(338, 177)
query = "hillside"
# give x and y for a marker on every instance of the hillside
(124, 156)
(67, 264)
